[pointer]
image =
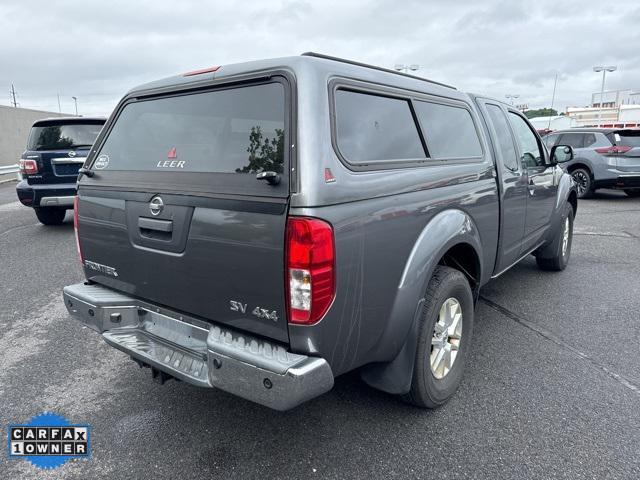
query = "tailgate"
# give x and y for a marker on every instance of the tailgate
(628, 143)
(62, 166)
(174, 213)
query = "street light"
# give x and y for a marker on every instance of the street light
(604, 70)
(512, 97)
(75, 99)
(405, 68)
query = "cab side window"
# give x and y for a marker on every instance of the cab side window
(530, 151)
(505, 140)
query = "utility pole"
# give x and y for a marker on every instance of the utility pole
(75, 99)
(13, 96)
(59, 109)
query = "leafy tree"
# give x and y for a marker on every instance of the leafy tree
(51, 137)
(264, 154)
(541, 112)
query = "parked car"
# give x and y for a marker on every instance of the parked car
(56, 149)
(267, 226)
(604, 158)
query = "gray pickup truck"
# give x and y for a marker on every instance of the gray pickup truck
(264, 227)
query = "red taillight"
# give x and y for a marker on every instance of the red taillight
(75, 228)
(310, 269)
(28, 167)
(613, 150)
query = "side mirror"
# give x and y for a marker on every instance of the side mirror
(561, 154)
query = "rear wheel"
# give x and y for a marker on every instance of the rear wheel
(582, 177)
(556, 255)
(50, 216)
(443, 340)
(633, 193)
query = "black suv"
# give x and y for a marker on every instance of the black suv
(56, 149)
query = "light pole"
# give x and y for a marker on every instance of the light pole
(511, 97)
(604, 70)
(553, 99)
(405, 68)
(75, 99)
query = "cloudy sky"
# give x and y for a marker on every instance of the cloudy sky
(96, 51)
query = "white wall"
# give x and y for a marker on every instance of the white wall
(15, 124)
(558, 122)
(629, 113)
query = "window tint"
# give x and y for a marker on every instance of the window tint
(239, 130)
(574, 140)
(449, 131)
(503, 134)
(589, 139)
(371, 128)
(550, 140)
(57, 136)
(529, 148)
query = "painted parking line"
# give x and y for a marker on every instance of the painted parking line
(600, 233)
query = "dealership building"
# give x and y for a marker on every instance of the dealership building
(616, 109)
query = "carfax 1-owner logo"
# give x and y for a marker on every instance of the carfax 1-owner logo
(48, 440)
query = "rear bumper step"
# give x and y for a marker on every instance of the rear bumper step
(197, 352)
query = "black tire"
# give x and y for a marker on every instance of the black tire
(50, 216)
(554, 257)
(633, 193)
(584, 182)
(427, 391)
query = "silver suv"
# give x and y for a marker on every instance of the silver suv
(603, 158)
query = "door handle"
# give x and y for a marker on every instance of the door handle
(155, 224)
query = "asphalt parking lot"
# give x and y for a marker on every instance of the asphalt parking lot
(552, 389)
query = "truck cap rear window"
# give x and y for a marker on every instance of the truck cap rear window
(236, 130)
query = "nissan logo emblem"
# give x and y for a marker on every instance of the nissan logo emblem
(72, 153)
(156, 205)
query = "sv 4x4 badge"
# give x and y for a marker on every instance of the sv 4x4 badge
(259, 312)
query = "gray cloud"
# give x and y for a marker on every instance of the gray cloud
(98, 50)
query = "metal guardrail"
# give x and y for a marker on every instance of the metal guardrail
(9, 169)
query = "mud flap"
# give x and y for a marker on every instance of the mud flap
(395, 376)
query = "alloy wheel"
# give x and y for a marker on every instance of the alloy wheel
(565, 237)
(582, 182)
(445, 342)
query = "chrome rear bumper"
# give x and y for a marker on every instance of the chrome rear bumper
(66, 201)
(198, 352)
